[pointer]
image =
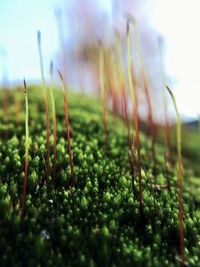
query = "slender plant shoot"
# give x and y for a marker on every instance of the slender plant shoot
(180, 176)
(131, 158)
(110, 72)
(54, 119)
(123, 93)
(26, 152)
(121, 79)
(167, 126)
(45, 104)
(102, 88)
(146, 89)
(120, 72)
(64, 90)
(134, 102)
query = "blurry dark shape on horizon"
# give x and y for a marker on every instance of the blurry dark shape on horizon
(192, 125)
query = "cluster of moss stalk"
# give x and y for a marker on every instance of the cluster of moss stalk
(82, 194)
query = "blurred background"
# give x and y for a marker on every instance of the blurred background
(71, 31)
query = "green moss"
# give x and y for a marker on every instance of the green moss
(97, 222)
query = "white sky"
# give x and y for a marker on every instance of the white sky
(177, 20)
(20, 20)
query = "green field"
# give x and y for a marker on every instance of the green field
(96, 221)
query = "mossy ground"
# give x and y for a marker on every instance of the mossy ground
(98, 221)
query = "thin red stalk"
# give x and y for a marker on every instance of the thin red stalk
(125, 112)
(151, 122)
(68, 135)
(24, 187)
(113, 89)
(95, 75)
(47, 138)
(120, 84)
(115, 102)
(138, 152)
(167, 134)
(122, 109)
(147, 94)
(54, 121)
(180, 200)
(26, 154)
(180, 178)
(130, 143)
(45, 104)
(132, 163)
(132, 91)
(61, 35)
(132, 147)
(67, 125)
(103, 94)
(54, 146)
(105, 120)
(167, 127)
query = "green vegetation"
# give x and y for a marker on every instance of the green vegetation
(180, 176)
(96, 221)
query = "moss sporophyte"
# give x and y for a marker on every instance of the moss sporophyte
(97, 221)
(54, 119)
(135, 112)
(45, 104)
(145, 85)
(180, 177)
(26, 152)
(64, 90)
(104, 204)
(103, 92)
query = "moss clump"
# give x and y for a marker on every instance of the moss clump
(97, 222)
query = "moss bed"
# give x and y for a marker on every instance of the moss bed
(98, 221)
